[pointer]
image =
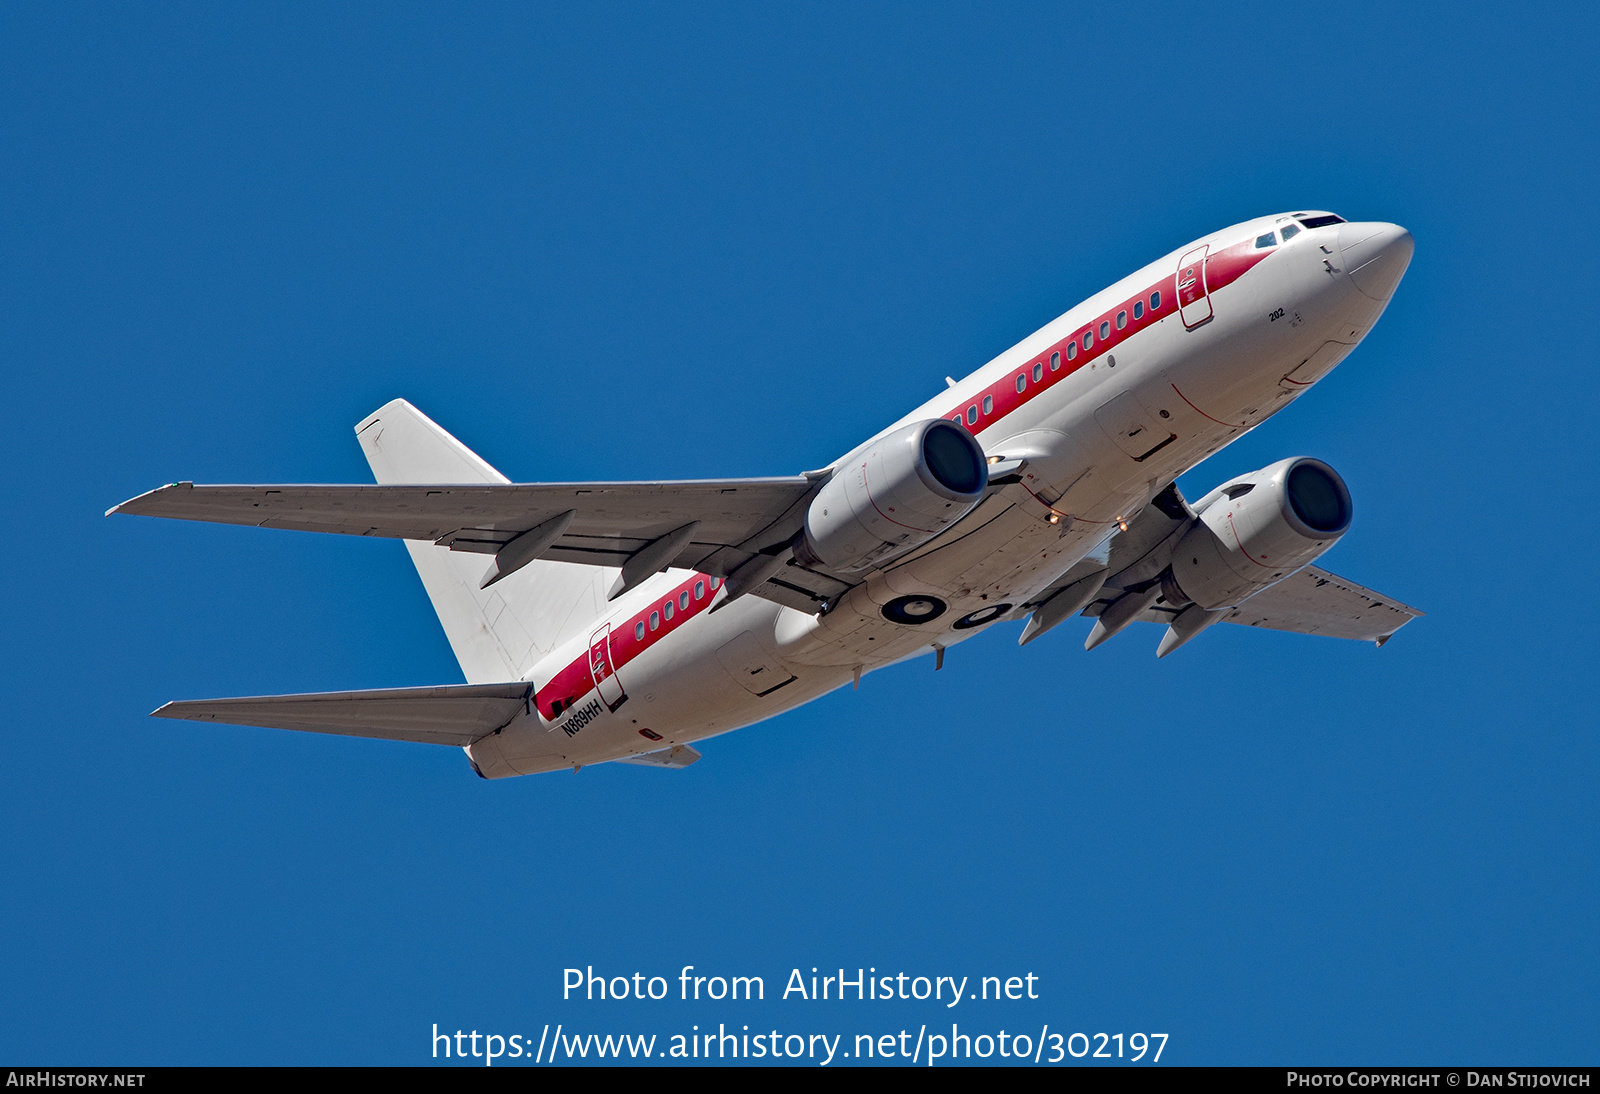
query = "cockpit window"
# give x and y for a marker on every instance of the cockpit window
(1321, 222)
(1265, 241)
(1289, 232)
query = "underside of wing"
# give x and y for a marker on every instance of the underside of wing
(454, 714)
(1125, 557)
(611, 520)
(431, 488)
(1312, 601)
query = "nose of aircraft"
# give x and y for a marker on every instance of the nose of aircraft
(1375, 256)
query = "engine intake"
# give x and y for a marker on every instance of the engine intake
(1257, 530)
(892, 497)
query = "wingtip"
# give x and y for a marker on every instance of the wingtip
(123, 505)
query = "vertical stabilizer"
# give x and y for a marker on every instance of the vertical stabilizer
(500, 632)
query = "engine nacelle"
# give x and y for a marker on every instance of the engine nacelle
(1257, 530)
(893, 497)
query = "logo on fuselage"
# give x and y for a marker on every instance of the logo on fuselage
(581, 717)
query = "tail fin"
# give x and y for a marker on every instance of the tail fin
(500, 632)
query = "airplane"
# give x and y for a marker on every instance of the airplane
(626, 621)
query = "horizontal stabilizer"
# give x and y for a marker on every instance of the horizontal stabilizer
(676, 756)
(451, 714)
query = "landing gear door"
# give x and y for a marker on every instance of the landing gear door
(606, 680)
(1194, 302)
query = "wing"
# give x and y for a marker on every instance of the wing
(1312, 601)
(714, 526)
(611, 522)
(453, 714)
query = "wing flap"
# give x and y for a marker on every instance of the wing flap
(452, 714)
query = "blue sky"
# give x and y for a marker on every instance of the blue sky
(699, 241)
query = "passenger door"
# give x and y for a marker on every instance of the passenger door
(1194, 302)
(606, 680)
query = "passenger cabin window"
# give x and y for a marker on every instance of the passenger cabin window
(1055, 360)
(1155, 301)
(655, 620)
(1038, 373)
(1122, 319)
(1088, 340)
(638, 631)
(1289, 232)
(666, 612)
(699, 589)
(716, 583)
(1105, 331)
(988, 404)
(1138, 309)
(683, 601)
(972, 415)
(1265, 241)
(1022, 382)
(1072, 349)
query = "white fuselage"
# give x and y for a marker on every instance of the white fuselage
(1184, 356)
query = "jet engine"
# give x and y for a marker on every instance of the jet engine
(1257, 530)
(892, 497)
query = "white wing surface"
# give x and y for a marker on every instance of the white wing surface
(453, 714)
(1314, 601)
(433, 489)
(611, 520)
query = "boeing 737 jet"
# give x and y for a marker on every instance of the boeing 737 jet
(624, 621)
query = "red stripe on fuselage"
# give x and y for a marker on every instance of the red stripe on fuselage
(1222, 269)
(1226, 267)
(575, 681)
